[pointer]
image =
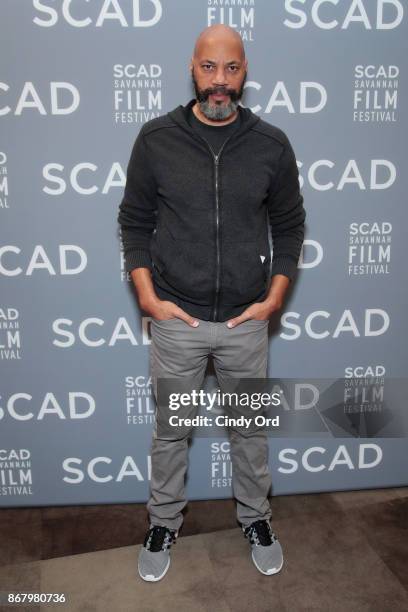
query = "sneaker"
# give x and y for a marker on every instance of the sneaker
(266, 549)
(154, 556)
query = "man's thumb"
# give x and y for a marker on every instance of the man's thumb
(188, 319)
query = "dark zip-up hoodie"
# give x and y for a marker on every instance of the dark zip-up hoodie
(199, 221)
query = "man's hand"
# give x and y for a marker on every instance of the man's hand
(164, 310)
(261, 311)
(152, 304)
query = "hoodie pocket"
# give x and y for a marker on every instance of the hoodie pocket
(185, 267)
(244, 272)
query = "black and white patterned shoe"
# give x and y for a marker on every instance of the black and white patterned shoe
(266, 549)
(154, 556)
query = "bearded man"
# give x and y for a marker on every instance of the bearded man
(202, 182)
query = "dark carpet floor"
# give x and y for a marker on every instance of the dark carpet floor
(343, 551)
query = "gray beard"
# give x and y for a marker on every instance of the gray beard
(218, 112)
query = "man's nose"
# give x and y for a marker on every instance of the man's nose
(219, 77)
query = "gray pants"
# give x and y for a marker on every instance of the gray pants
(177, 349)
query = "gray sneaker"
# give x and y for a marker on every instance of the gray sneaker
(266, 549)
(154, 556)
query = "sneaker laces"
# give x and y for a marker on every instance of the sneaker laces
(159, 538)
(260, 533)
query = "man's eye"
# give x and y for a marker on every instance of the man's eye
(207, 66)
(233, 68)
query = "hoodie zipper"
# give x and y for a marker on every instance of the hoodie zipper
(178, 116)
(216, 159)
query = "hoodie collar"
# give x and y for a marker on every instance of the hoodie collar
(180, 116)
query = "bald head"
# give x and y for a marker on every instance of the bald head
(216, 36)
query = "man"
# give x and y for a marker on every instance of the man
(201, 183)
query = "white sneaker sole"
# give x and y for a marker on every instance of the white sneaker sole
(150, 577)
(269, 572)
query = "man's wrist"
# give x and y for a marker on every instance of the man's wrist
(277, 290)
(274, 301)
(149, 302)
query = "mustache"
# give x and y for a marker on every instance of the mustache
(233, 93)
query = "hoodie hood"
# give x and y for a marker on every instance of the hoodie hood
(180, 116)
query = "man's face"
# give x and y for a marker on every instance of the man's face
(218, 73)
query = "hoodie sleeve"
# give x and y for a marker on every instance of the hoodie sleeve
(286, 215)
(137, 210)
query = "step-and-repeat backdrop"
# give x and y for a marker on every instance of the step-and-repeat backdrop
(78, 80)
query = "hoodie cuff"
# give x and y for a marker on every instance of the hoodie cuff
(137, 258)
(285, 265)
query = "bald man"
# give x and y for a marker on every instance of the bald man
(202, 183)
